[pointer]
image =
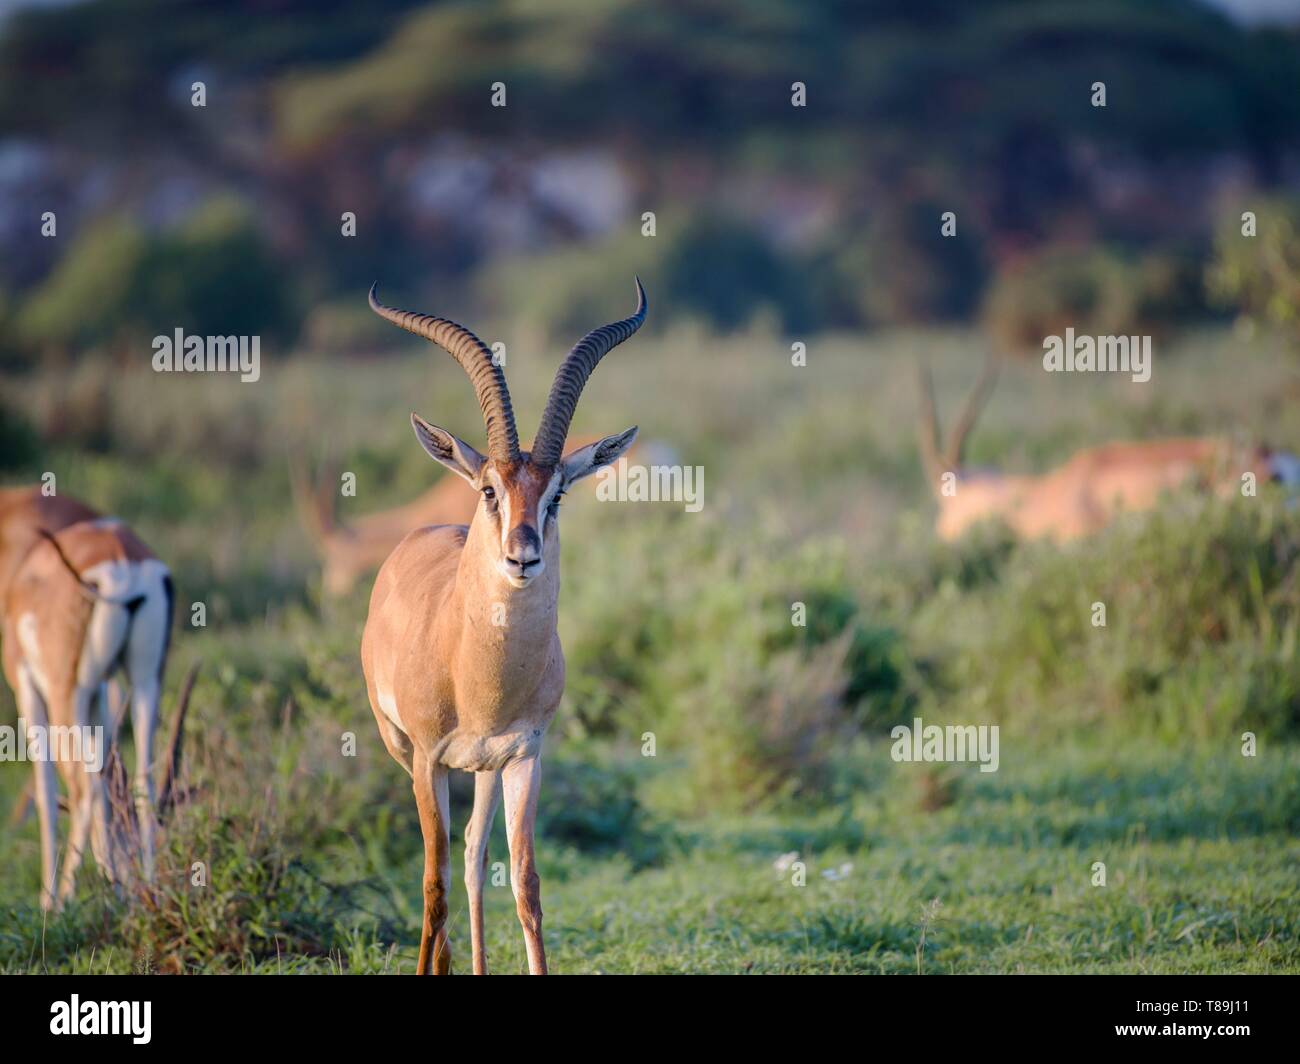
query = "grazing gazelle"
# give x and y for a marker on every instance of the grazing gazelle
(462, 659)
(23, 513)
(1084, 494)
(85, 600)
(352, 550)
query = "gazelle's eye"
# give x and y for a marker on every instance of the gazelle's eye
(554, 507)
(489, 494)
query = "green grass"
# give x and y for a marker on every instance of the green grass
(1120, 745)
(1200, 866)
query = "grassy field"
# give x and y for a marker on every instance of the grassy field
(1119, 745)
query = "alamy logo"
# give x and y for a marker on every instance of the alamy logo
(55, 742)
(929, 742)
(102, 1017)
(655, 483)
(1098, 354)
(179, 353)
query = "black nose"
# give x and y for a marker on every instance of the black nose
(523, 548)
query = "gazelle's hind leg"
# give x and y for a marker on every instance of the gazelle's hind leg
(110, 856)
(103, 646)
(522, 781)
(487, 793)
(429, 781)
(32, 706)
(146, 650)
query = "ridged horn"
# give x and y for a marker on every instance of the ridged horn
(476, 359)
(928, 428)
(956, 452)
(572, 375)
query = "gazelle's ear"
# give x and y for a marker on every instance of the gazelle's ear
(442, 446)
(586, 460)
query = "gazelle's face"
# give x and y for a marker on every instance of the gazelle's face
(521, 504)
(519, 501)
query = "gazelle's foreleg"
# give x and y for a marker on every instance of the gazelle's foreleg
(521, 783)
(46, 785)
(429, 781)
(487, 793)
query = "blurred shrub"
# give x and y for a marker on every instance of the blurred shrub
(723, 271)
(215, 275)
(346, 327)
(874, 662)
(77, 408)
(594, 808)
(12, 352)
(900, 269)
(1201, 638)
(1096, 290)
(763, 729)
(1170, 288)
(88, 297)
(19, 443)
(212, 275)
(1259, 276)
(697, 644)
(717, 269)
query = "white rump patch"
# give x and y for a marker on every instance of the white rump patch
(119, 583)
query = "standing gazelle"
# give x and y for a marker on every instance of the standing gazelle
(462, 659)
(85, 600)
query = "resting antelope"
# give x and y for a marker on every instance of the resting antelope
(85, 600)
(462, 659)
(1086, 493)
(349, 552)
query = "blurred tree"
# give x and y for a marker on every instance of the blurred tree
(317, 106)
(1101, 289)
(712, 267)
(1259, 275)
(118, 284)
(902, 269)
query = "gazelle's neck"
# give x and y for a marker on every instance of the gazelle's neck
(507, 630)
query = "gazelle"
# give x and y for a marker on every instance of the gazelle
(23, 513)
(1089, 490)
(461, 656)
(351, 551)
(85, 600)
